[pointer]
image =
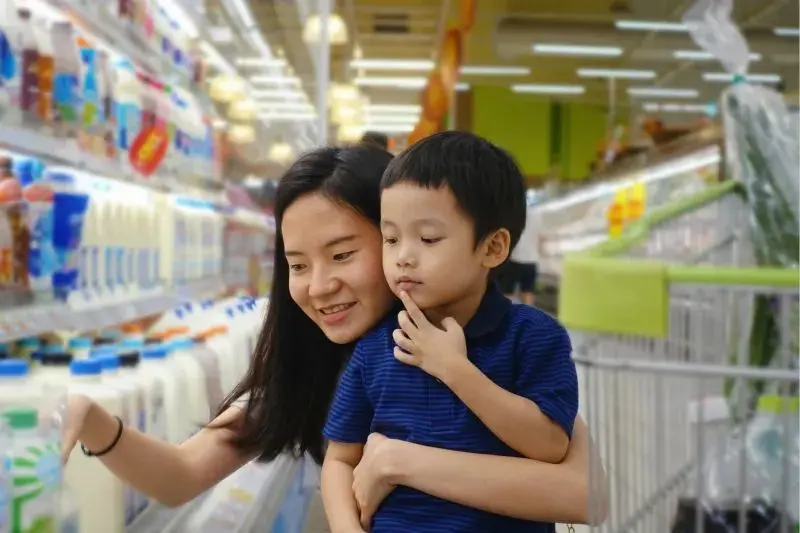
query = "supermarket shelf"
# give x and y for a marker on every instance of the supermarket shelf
(39, 319)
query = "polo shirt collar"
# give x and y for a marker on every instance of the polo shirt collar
(490, 314)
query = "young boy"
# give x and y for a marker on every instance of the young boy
(460, 367)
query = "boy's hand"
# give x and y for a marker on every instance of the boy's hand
(419, 343)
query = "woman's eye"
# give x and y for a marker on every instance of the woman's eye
(343, 256)
(296, 268)
(431, 241)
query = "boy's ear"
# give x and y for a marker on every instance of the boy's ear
(496, 248)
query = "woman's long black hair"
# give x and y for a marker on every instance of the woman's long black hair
(295, 368)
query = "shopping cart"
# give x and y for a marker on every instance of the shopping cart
(662, 324)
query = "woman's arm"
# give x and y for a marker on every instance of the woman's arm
(509, 486)
(173, 475)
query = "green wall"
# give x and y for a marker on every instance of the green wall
(525, 124)
(519, 123)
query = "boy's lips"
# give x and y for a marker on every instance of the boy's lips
(406, 283)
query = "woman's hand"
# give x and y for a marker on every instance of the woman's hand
(370, 484)
(77, 408)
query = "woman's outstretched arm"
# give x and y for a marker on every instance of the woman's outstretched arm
(509, 486)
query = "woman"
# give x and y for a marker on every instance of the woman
(328, 290)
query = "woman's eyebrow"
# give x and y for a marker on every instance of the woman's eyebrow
(329, 244)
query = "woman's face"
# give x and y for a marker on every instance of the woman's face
(335, 273)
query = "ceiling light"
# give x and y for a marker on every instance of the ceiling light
(577, 50)
(343, 92)
(787, 32)
(281, 152)
(700, 55)
(337, 30)
(260, 62)
(650, 25)
(532, 88)
(494, 71)
(393, 64)
(616, 73)
(241, 134)
(392, 108)
(276, 80)
(287, 117)
(287, 94)
(677, 108)
(394, 82)
(754, 78)
(392, 128)
(663, 92)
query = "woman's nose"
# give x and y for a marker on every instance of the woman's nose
(321, 284)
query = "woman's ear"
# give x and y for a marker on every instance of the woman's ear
(496, 248)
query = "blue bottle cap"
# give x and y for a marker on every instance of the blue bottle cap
(16, 368)
(85, 367)
(108, 362)
(78, 343)
(155, 351)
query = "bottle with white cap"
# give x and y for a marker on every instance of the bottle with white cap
(80, 347)
(129, 371)
(99, 494)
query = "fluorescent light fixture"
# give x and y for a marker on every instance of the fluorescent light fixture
(260, 62)
(650, 25)
(399, 82)
(787, 32)
(286, 94)
(494, 71)
(239, 9)
(755, 78)
(286, 106)
(616, 73)
(392, 82)
(393, 108)
(577, 50)
(700, 55)
(676, 108)
(276, 80)
(533, 88)
(217, 59)
(423, 65)
(287, 117)
(390, 128)
(381, 118)
(664, 92)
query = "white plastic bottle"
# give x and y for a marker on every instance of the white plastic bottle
(34, 506)
(110, 365)
(99, 494)
(80, 347)
(159, 389)
(184, 359)
(129, 371)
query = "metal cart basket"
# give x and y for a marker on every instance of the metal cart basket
(665, 329)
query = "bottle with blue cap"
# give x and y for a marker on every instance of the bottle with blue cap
(28, 345)
(100, 495)
(80, 347)
(193, 383)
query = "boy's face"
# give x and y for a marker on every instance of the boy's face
(429, 246)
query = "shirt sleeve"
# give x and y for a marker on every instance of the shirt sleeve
(546, 374)
(350, 416)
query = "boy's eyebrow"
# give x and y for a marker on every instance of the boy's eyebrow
(419, 221)
(329, 244)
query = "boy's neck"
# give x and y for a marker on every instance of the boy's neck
(462, 310)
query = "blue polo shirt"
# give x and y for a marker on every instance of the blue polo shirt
(520, 348)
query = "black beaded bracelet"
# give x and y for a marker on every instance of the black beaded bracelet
(113, 444)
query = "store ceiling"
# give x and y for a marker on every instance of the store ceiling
(506, 31)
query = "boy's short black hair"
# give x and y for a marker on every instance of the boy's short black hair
(484, 178)
(375, 138)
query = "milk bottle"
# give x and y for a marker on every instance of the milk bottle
(186, 364)
(159, 387)
(99, 494)
(129, 371)
(110, 365)
(80, 347)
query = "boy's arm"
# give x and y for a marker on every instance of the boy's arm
(346, 429)
(337, 487)
(538, 421)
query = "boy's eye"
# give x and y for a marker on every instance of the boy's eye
(343, 256)
(389, 240)
(431, 241)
